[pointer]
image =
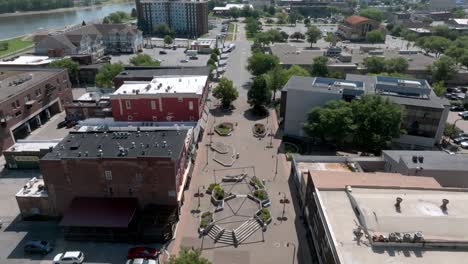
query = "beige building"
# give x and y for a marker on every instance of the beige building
(356, 27)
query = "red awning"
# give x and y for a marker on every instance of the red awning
(100, 212)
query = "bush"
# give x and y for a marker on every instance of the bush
(206, 218)
(261, 195)
(224, 129)
(212, 186)
(257, 182)
(264, 215)
(218, 192)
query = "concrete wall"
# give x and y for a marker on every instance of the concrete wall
(30, 206)
(298, 105)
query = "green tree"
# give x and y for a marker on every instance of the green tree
(399, 65)
(434, 44)
(214, 57)
(144, 60)
(320, 66)
(162, 30)
(260, 63)
(333, 122)
(374, 64)
(443, 69)
(458, 12)
(295, 70)
(133, 13)
(259, 94)
(281, 18)
(226, 92)
(106, 20)
(168, 40)
(297, 35)
(188, 256)
(106, 74)
(271, 10)
(444, 31)
(307, 22)
(234, 13)
(372, 13)
(375, 36)
(464, 59)
(216, 51)
(276, 78)
(331, 38)
(439, 88)
(70, 65)
(313, 35)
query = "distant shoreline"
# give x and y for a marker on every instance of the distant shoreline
(58, 10)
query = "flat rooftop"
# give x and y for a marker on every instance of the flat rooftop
(420, 213)
(13, 82)
(122, 144)
(416, 61)
(165, 85)
(151, 72)
(32, 145)
(290, 55)
(28, 61)
(432, 160)
(33, 188)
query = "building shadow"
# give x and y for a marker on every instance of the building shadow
(6, 173)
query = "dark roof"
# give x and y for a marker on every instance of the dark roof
(150, 72)
(433, 160)
(299, 83)
(100, 212)
(56, 41)
(129, 144)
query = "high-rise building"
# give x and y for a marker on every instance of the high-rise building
(185, 17)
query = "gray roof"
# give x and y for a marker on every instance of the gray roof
(169, 144)
(291, 55)
(56, 41)
(299, 83)
(150, 72)
(433, 160)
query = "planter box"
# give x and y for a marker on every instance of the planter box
(257, 217)
(256, 134)
(262, 203)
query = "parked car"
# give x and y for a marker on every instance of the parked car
(459, 140)
(459, 135)
(184, 61)
(141, 261)
(162, 52)
(38, 246)
(62, 124)
(142, 252)
(71, 123)
(457, 108)
(463, 113)
(464, 144)
(69, 257)
(193, 57)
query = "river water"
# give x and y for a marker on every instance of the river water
(26, 24)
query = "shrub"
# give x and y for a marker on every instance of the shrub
(264, 214)
(212, 186)
(257, 182)
(261, 195)
(206, 218)
(218, 192)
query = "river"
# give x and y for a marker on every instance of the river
(26, 24)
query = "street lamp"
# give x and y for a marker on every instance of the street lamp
(198, 194)
(294, 251)
(284, 201)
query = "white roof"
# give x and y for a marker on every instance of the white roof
(29, 60)
(420, 212)
(461, 21)
(91, 96)
(229, 6)
(420, 30)
(33, 145)
(165, 85)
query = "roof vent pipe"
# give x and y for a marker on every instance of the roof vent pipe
(398, 203)
(421, 159)
(415, 159)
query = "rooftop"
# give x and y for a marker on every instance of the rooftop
(165, 85)
(33, 188)
(432, 160)
(290, 55)
(32, 145)
(356, 19)
(28, 61)
(321, 84)
(13, 82)
(151, 72)
(229, 6)
(122, 144)
(461, 21)
(420, 218)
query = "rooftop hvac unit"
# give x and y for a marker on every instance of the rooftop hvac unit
(409, 83)
(348, 85)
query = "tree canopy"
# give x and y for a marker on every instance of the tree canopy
(144, 60)
(319, 66)
(372, 13)
(260, 63)
(370, 122)
(70, 65)
(434, 44)
(226, 92)
(162, 30)
(375, 64)
(313, 35)
(443, 69)
(259, 94)
(375, 36)
(168, 40)
(106, 74)
(297, 35)
(116, 17)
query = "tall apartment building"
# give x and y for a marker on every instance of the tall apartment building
(185, 17)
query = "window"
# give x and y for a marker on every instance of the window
(128, 104)
(13, 105)
(111, 192)
(153, 105)
(190, 105)
(108, 175)
(130, 117)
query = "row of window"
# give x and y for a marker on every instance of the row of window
(128, 104)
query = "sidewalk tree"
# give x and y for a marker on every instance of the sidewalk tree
(443, 69)
(70, 65)
(331, 38)
(375, 36)
(313, 35)
(168, 40)
(297, 35)
(188, 256)
(260, 63)
(106, 74)
(282, 18)
(144, 60)
(214, 57)
(320, 67)
(306, 22)
(216, 51)
(234, 13)
(276, 78)
(226, 92)
(259, 94)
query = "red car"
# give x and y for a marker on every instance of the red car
(142, 252)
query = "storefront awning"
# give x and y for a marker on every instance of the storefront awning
(100, 212)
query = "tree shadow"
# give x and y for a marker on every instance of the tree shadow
(253, 115)
(219, 111)
(312, 48)
(247, 85)
(19, 174)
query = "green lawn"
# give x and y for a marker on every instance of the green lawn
(231, 32)
(15, 44)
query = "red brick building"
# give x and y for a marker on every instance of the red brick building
(170, 98)
(28, 98)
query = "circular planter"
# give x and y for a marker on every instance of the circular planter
(259, 130)
(224, 129)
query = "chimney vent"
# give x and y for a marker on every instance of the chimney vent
(398, 203)
(444, 204)
(415, 159)
(421, 159)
